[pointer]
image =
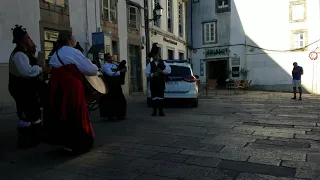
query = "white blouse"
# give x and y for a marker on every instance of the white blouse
(70, 55)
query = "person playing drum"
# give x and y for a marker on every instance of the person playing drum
(66, 118)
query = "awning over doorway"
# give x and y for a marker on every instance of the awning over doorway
(96, 48)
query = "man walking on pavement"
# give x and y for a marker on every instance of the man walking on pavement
(296, 80)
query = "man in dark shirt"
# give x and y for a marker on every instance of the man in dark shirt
(296, 80)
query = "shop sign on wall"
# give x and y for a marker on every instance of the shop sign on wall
(235, 71)
(235, 61)
(169, 41)
(216, 52)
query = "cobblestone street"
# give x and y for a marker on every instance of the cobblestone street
(251, 136)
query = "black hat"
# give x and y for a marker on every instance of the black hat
(18, 33)
(154, 50)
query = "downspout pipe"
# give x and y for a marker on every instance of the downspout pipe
(86, 43)
(95, 14)
(191, 22)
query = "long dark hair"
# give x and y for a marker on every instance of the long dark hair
(63, 38)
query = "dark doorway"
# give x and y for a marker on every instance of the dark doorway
(181, 56)
(115, 48)
(135, 69)
(170, 54)
(218, 70)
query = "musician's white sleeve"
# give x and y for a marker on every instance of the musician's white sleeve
(24, 68)
(85, 65)
(148, 70)
(167, 70)
(108, 70)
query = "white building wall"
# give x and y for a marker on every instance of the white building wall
(12, 12)
(143, 51)
(82, 32)
(123, 37)
(162, 32)
(84, 24)
(123, 40)
(268, 69)
(204, 11)
(252, 24)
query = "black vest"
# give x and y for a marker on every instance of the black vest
(155, 68)
(20, 82)
(157, 82)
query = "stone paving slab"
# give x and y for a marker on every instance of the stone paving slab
(255, 168)
(251, 136)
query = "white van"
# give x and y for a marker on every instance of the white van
(181, 84)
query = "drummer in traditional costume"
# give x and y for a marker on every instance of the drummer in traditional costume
(157, 70)
(114, 104)
(23, 83)
(66, 119)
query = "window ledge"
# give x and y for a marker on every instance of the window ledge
(300, 49)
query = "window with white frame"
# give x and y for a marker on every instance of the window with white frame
(109, 10)
(210, 32)
(180, 12)
(223, 4)
(170, 19)
(133, 17)
(299, 40)
(156, 22)
(297, 12)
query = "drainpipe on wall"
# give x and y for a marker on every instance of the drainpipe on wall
(95, 14)
(245, 53)
(86, 43)
(191, 21)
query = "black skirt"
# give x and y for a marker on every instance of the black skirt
(114, 103)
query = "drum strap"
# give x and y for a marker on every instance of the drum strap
(60, 60)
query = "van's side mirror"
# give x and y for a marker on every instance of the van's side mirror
(196, 76)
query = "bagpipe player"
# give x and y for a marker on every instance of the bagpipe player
(23, 86)
(157, 71)
(113, 104)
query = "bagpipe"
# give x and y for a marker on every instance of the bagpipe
(161, 66)
(122, 65)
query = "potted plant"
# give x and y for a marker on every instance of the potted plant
(244, 73)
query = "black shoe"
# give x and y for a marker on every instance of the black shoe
(120, 118)
(300, 98)
(24, 137)
(111, 119)
(155, 112)
(161, 113)
(294, 98)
